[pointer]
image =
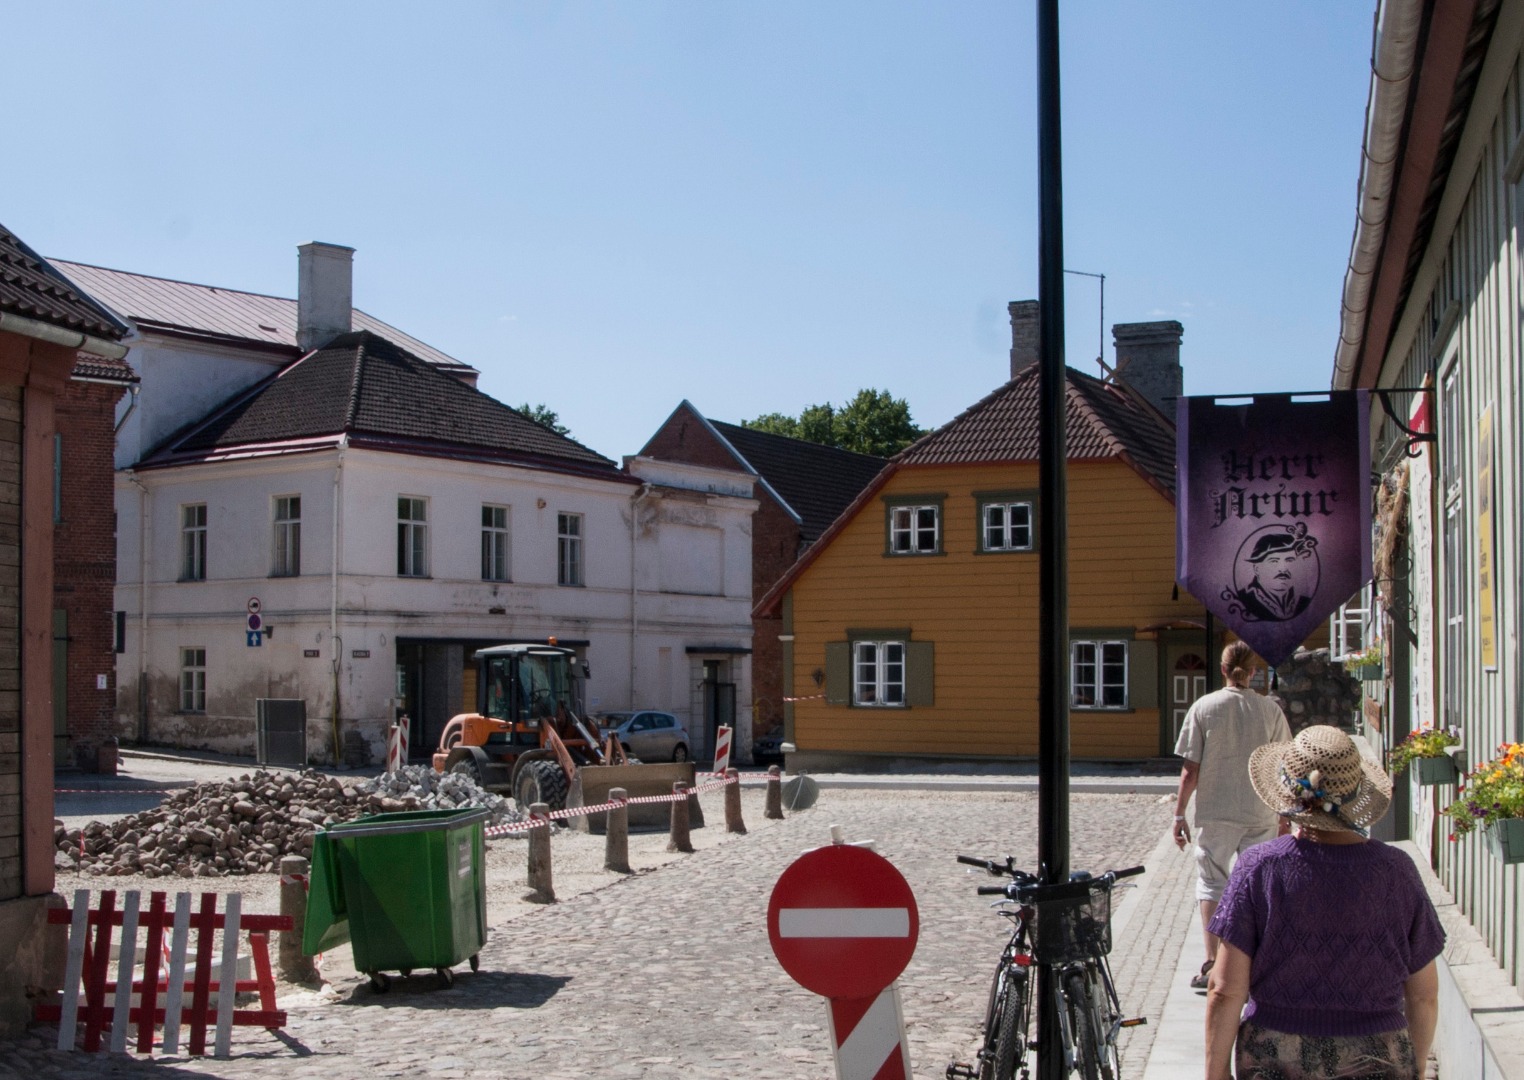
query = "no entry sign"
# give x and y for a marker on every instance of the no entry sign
(842, 921)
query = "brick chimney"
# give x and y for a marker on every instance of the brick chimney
(1148, 360)
(1024, 343)
(324, 293)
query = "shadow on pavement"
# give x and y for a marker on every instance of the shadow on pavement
(472, 990)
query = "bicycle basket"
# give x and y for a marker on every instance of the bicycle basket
(1068, 928)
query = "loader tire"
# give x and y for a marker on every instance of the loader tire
(541, 781)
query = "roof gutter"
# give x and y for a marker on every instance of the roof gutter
(1394, 53)
(72, 339)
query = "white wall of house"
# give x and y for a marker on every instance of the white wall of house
(333, 630)
(182, 380)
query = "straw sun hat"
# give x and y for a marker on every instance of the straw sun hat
(1320, 780)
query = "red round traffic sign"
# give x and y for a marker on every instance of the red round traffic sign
(843, 921)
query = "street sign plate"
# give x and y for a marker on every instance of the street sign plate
(843, 921)
(255, 622)
(253, 638)
(253, 605)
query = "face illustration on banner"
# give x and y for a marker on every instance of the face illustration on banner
(1275, 574)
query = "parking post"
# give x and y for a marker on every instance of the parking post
(616, 847)
(680, 840)
(774, 807)
(733, 822)
(539, 855)
(294, 965)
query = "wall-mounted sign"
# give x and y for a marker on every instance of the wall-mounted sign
(360, 654)
(253, 638)
(255, 622)
(312, 654)
(253, 605)
(1273, 511)
(1486, 571)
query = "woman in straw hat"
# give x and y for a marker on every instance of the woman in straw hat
(1327, 935)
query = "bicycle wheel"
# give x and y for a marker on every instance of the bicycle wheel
(1082, 1022)
(1010, 1034)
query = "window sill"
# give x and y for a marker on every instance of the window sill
(912, 554)
(871, 705)
(1102, 709)
(1006, 551)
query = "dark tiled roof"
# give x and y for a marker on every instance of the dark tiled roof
(98, 367)
(366, 387)
(818, 482)
(1104, 421)
(29, 287)
(206, 310)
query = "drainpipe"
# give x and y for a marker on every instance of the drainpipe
(143, 534)
(132, 403)
(635, 500)
(333, 605)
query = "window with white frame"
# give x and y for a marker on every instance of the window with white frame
(915, 530)
(494, 543)
(193, 542)
(1356, 625)
(1098, 674)
(412, 536)
(878, 673)
(1006, 526)
(288, 536)
(569, 549)
(193, 680)
(1456, 582)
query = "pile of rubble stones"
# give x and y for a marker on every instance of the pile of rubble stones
(245, 826)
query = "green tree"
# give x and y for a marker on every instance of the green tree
(873, 422)
(544, 414)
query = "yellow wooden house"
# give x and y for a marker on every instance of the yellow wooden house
(911, 627)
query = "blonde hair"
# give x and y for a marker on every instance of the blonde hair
(1238, 664)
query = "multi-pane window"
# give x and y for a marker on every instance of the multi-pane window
(412, 536)
(878, 673)
(914, 530)
(569, 549)
(193, 680)
(494, 543)
(1007, 526)
(1456, 580)
(1098, 674)
(1355, 625)
(193, 542)
(288, 536)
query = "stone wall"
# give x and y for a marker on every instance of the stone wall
(1312, 690)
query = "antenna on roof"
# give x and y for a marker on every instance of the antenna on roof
(1100, 352)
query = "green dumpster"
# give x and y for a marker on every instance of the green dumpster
(408, 891)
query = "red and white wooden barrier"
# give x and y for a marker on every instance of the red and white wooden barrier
(89, 961)
(396, 745)
(722, 750)
(868, 1035)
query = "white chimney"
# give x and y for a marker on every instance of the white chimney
(324, 293)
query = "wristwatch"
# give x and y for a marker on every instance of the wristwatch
(1179, 817)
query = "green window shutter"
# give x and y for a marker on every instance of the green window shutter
(1143, 674)
(919, 673)
(838, 679)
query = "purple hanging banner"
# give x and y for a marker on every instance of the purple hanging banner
(1273, 511)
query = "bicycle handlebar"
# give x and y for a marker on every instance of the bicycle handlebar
(1025, 886)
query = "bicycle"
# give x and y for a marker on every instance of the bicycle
(1066, 926)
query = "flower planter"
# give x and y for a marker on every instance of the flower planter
(1429, 771)
(1369, 674)
(1505, 839)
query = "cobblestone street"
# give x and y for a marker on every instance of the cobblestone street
(669, 973)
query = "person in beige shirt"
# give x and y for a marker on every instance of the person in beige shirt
(1220, 731)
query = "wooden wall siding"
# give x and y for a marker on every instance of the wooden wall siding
(981, 613)
(1471, 268)
(10, 643)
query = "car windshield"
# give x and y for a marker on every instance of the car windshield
(614, 719)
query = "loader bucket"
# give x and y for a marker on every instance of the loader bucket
(592, 784)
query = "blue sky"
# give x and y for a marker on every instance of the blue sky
(610, 207)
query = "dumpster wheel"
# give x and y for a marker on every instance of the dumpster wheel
(476, 962)
(448, 975)
(380, 982)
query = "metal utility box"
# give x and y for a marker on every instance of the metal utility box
(280, 731)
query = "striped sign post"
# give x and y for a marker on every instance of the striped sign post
(722, 749)
(396, 745)
(843, 922)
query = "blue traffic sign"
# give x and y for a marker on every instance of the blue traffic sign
(253, 638)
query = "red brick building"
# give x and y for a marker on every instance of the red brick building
(45, 324)
(84, 562)
(802, 487)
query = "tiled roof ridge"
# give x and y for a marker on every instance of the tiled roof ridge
(1009, 386)
(357, 381)
(1077, 396)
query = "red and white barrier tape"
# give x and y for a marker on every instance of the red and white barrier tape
(583, 811)
(809, 697)
(294, 879)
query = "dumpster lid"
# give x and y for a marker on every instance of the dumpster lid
(411, 821)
